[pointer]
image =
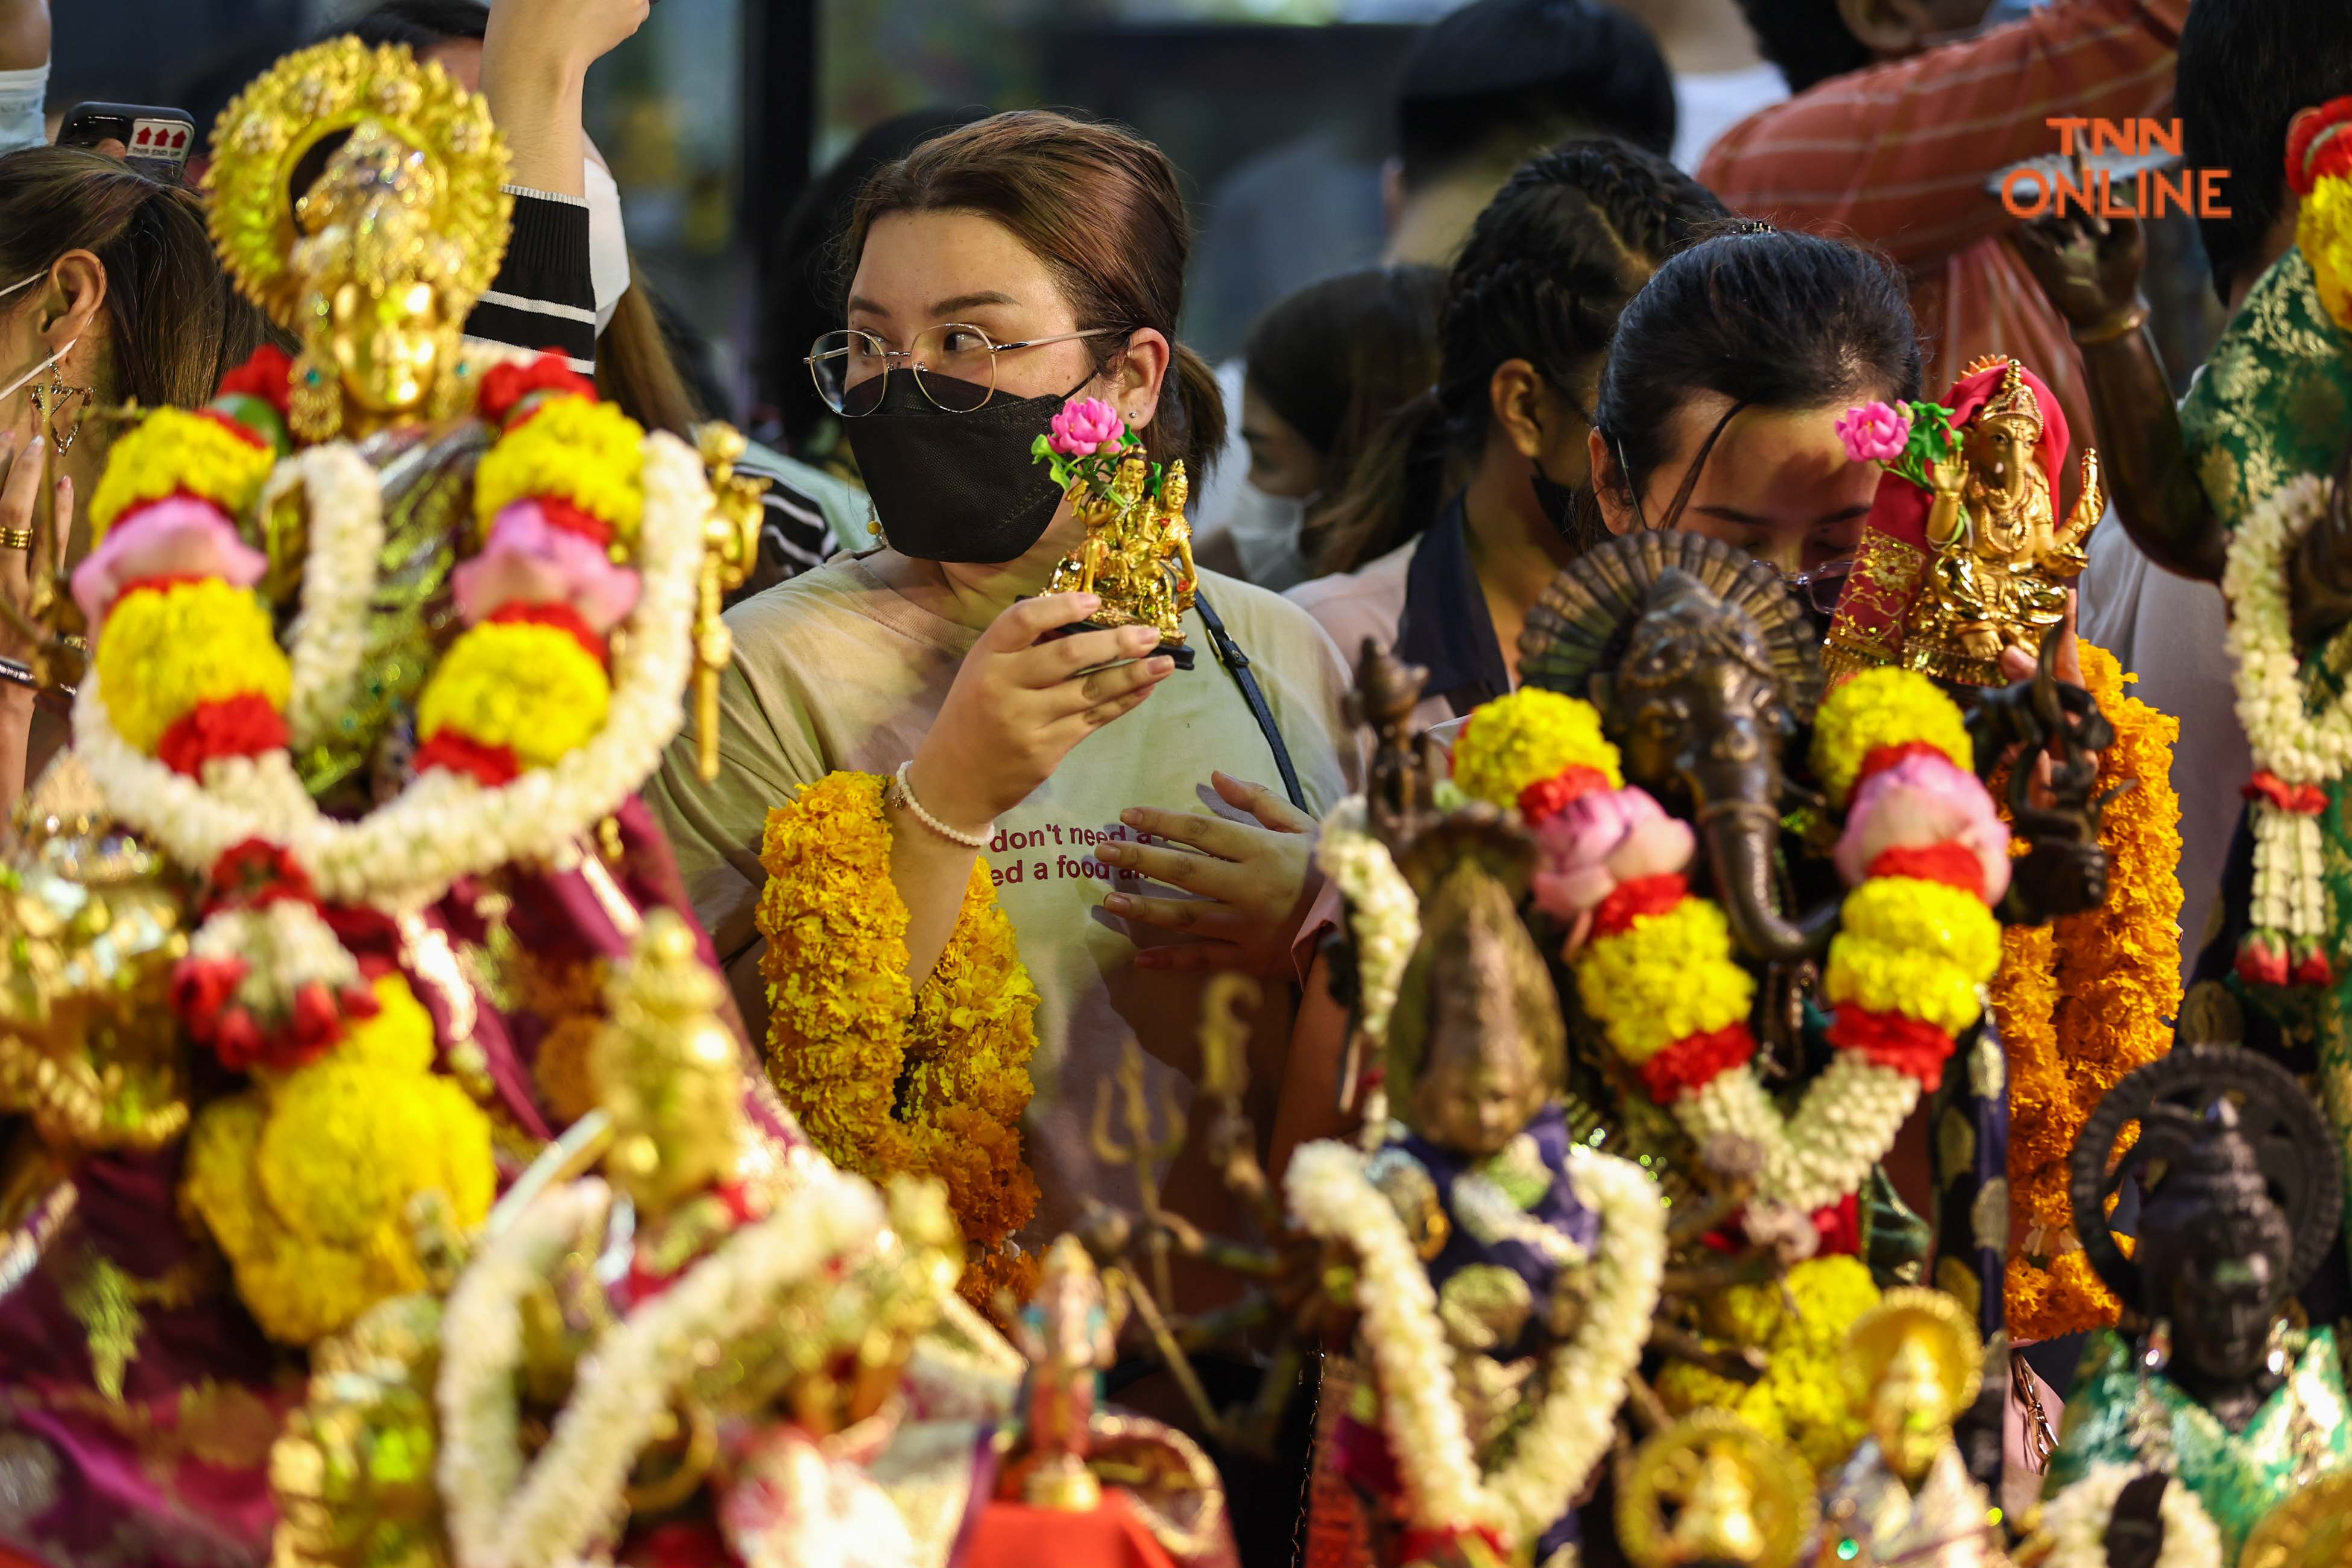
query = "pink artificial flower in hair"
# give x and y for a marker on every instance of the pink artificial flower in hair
(177, 536)
(1085, 428)
(1600, 840)
(529, 560)
(1875, 433)
(1918, 802)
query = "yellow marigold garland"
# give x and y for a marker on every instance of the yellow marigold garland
(2083, 1005)
(528, 687)
(173, 450)
(588, 453)
(884, 1080)
(164, 651)
(1802, 1398)
(1526, 738)
(1915, 947)
(305, 1178)
(1879, 708)
(1667, 976)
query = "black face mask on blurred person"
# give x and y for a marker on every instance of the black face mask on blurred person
(1560, 502)
(957, 486)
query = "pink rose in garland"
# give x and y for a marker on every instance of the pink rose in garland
(1916, 803)
(1598, 842)
(1875, 433)
(1083, 429)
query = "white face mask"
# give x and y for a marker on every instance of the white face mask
(13, 388)
(1264, 530)
(608, 246)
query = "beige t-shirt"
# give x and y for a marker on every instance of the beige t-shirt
(834, 670)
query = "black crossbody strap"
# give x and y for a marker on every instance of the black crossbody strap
(1238, 664)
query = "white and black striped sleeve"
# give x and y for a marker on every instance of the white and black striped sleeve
(794, 535)
(544, 296)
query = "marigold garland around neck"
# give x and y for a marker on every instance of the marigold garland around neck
(1802, 1398)
(1655, 965)
(2084, 1002)
(2298, 753)
(885, 1080)
(536, 722)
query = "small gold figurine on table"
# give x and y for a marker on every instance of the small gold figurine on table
(1965, 556)
(1070, 1334)
(1905, 1496)
(1711, 1491)
(1137, 553)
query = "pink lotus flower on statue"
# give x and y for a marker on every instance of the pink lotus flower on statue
(177, 536)
(1085, 428)
(1875, 433)
(1598, 840)
(1919, 802)
(531, 561)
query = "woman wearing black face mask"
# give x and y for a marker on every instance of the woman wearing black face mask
(998, 270)
(1475, 494)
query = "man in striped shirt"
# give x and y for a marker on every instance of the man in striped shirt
(1898, 154)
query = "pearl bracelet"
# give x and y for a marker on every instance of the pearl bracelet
(979, 840)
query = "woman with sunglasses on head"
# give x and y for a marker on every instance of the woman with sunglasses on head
(1528, 312)
(950, 762)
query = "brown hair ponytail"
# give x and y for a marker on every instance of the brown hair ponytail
(1099, 206)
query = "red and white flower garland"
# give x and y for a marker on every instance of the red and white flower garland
(2297, 753)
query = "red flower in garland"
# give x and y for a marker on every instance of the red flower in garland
(1907, 1045)
(241, 725)
(201, 988)
(1953, 864)
(1547, 798)
(257, 872)
(267, 374)
(506, 386)
(1694, 1061)
(493, 765)
(1887, 757)
(553, 614)
(1840, 1227)
(1632, 900)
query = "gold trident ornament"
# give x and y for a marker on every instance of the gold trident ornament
(1142, 1151)
(730, 544)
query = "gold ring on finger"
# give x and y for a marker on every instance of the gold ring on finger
(15, 538)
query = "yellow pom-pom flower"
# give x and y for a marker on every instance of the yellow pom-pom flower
(528, 687)
(173, 450)
(306, 1179)
(588, 453)
(1801, 1399)
(1527, 738)
(1915, 947)
(164, 651)
(2323, 232)
(1880, 708)
(1664, 978)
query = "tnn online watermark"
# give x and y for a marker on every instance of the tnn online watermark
(2029, 190)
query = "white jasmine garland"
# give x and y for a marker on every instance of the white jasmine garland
(1384, 915)
(2288, 740)
(328, 641)
(1487, 1213)
(500, 1517)
(2074, 1523)
(1845, 1123)
(285, 945)
(443, 825)
(1330, 1197)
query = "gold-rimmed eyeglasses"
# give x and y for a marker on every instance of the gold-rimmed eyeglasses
(954, 366)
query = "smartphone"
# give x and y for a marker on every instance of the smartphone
(156, 142)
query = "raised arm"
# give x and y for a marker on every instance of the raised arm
(1898, 155)
(2090, 269)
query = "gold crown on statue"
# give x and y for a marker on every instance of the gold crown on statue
(401, 173)
(2014, 400)
(1914, 1324)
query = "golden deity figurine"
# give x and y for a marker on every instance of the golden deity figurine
(1137, 551)
(2003, 559)
(1069, 1334)
(376, 262)
(1711, 1491)
(1965, 556)
(1915, 1365)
